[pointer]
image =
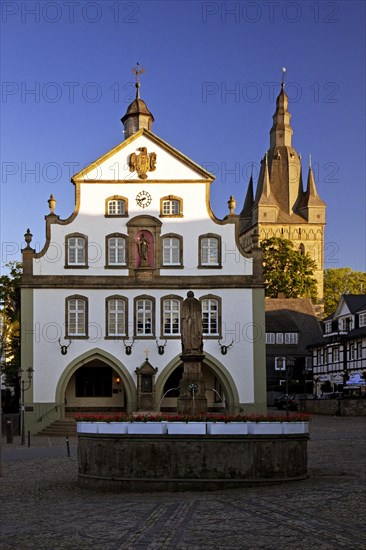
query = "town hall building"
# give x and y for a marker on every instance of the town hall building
(101, 301)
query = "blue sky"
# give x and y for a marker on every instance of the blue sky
(212, 72)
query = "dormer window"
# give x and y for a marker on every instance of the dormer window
(116, 207)
(362, 320)
(171, 206)
(345, 324)
(328, 327)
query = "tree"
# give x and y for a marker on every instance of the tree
(338, 281)
(287, 270)
(10, 325)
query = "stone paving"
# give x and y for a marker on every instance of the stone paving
(43, 507)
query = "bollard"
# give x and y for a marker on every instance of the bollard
(68, 446)
(9, 431)
(28, 438)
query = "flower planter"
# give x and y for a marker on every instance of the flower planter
(227, 428)
(87, 427)
(295, 427)
(265, 428)
(182, 428)
(147, 428)
(112, 427)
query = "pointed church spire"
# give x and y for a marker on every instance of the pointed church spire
(266, 183)
(249, 201)
(137, 115)
(281, 131)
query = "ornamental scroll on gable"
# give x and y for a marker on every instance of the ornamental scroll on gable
(142, 163)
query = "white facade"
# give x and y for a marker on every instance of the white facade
(95, 255)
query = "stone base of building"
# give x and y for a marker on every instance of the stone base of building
(188, 463)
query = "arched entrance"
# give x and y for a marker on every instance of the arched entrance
(221, 391)
(96, 382)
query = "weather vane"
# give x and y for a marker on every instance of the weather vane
(137, 71)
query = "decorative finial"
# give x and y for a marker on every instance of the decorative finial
(283, 77)
(52, 204)
(310, 166)
(28, 237)
(232, 205)
(137, 71)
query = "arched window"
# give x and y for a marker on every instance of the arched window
(209, 250)
(302, 249)
(144, 316)
(76, 246)
(172, 250)
(171, 206)
(76, 317)
(211, 315)
(170, 316)
(116, 317)
(116, 250)
(116, 206)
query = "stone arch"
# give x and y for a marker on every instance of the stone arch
(220, 371)
(109, 360)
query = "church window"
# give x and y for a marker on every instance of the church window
(116, 250)
(144, 316)
(209, 251)
(116, 206)
(211, 315)
(76, 250)
(76, 317)
(171, 206)
(172, 250)
(171, 316)
(116, 316)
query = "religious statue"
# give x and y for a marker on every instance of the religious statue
(143, 246)
(191, 325)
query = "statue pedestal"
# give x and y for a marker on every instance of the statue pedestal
(192, 399)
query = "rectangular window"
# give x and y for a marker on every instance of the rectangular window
(116, 318)
(76, 251)
(335, 355)
(210, 316)
(144, 311)
(279, 338)
(76, 317)
(328, 327)
(209, 251)
(270, 338)
(171, 251)
(171, 317)
(280, 363)
(170, 207)
(291, 338)
(116, 251)
(116, 208)
(362, 320)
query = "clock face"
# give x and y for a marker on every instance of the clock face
(143, 199)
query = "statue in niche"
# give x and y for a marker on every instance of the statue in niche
(143, 246)
(191, 325)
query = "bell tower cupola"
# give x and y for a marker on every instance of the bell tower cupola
(281, 131)
(137, 115)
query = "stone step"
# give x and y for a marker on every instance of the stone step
(59, 428)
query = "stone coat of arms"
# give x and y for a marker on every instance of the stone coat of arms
(142, 163)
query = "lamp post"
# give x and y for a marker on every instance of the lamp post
(23, 389)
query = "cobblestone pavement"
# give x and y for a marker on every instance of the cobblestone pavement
(43, 508)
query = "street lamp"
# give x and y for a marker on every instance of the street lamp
(23, 389)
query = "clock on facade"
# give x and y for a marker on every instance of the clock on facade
(143, 199)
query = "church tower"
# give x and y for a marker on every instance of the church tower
(281, 207)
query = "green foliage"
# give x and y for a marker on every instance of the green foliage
(10, 323)
(338, 281)
(286, 270)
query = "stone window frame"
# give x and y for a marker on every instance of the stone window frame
(171, 198)
(68, 299)
(69, 265)
(116, 266)
(116, 336)
(116, 198)
(172, 236)
(152, 299)
(218, 335)
(162, 300)
(219, 251)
